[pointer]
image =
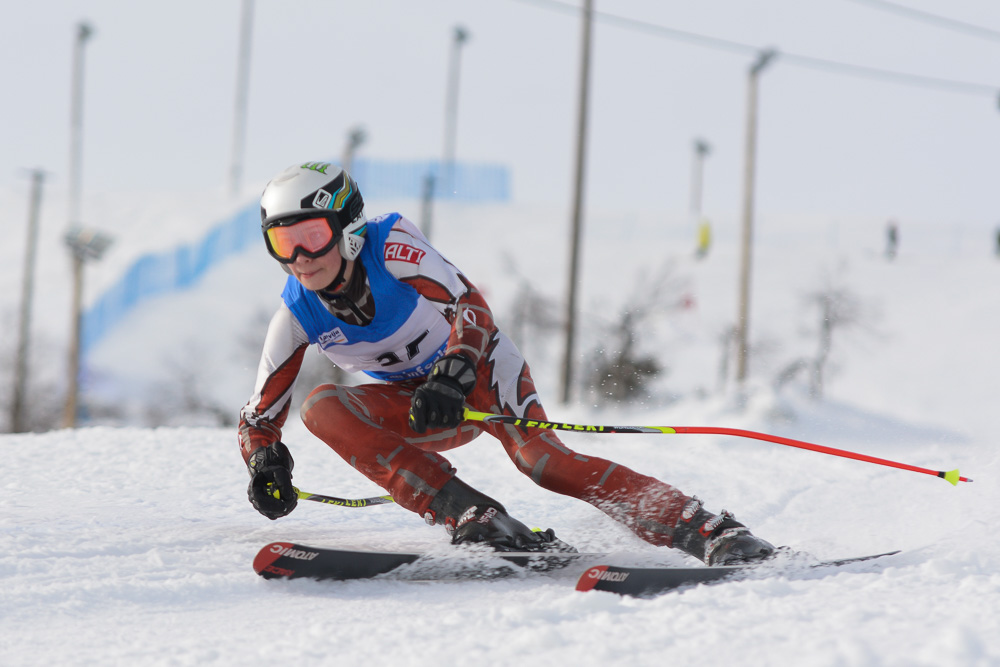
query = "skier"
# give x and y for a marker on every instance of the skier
(891, 240)
(376, 297)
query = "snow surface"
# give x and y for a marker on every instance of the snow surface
(124, 544)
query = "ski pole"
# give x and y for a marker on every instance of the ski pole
(951, 476)
(333, 500)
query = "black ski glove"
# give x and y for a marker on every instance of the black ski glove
(439, 402)
(270, 491)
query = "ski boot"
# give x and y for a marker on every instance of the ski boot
(472, 517)
(490, 524)
(717, 539)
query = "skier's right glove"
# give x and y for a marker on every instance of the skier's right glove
(439, 402)
(271, 491)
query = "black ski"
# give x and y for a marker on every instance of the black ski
(285, 560)
(650, 581)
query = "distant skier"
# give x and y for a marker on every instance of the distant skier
(891, 240)
(377, 297)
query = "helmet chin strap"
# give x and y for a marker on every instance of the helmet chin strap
(339, 280)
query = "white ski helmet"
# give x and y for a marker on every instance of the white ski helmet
(320, 190)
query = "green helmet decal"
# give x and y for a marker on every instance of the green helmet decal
(321, 167)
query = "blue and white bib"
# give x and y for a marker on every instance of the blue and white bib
(404, 340)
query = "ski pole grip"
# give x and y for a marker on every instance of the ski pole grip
(273, 491)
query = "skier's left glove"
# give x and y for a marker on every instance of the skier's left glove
(439, 402)
(271, 491)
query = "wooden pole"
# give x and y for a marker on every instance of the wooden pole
(577, 219)
(746, 254)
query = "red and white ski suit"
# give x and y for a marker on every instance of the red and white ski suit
(367, 425)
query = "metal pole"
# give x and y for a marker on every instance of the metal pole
(461, 35)
(581, 152)
(83, 33)
(446, 183)
(18, 418)
(73, 372)
(427, 204)
(701, 230)
(701, 149)
(84, 244)
(355, 138)
(743, 318)
(242, 86)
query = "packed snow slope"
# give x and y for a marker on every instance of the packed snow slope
(125, 544)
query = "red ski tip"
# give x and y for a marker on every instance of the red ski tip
(590, 578)
(268, 554)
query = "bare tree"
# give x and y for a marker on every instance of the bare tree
(620, 370)
(534, 316)
(838, 310)
(622, 373)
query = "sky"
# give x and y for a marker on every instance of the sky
(160, 97)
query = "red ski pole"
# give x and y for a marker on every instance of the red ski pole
(951, 476)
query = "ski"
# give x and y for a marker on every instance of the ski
(650, 581)
(287, 560)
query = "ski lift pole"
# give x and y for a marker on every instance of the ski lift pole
(951, 476)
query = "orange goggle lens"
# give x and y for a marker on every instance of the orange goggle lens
(314, 236)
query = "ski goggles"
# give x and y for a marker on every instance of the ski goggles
(311, 235)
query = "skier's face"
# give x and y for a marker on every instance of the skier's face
(317, 273)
